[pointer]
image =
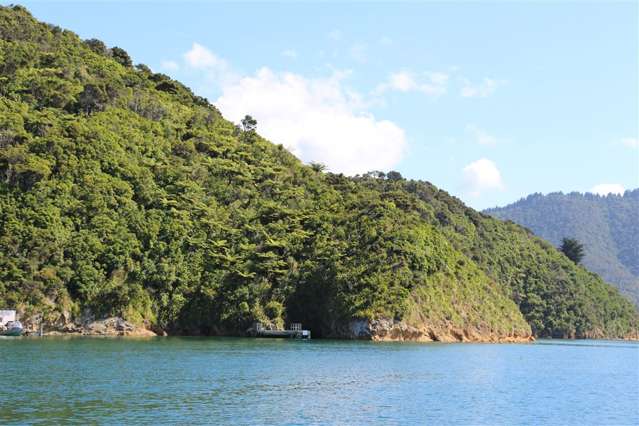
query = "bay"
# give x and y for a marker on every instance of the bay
(180, 380)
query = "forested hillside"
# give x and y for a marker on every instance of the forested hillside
(122, 193)
(607, 226)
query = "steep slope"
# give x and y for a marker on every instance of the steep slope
(608, 226)
(124, 194)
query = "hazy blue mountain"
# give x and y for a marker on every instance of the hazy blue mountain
(608, 226)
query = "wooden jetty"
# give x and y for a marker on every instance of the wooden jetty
(294, 331)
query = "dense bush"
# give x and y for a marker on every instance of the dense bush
(607, 226)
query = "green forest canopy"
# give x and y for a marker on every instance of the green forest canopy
(607, 226)
(123, 193)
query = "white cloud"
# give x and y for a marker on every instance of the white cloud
(170, 65)
(428, 83)
(481, 175)
(481, 90)
(216, 69)
(289, 53)
(201, 57)
(316, 119)
(402, 81)
(608, 188)
(481, 136)
(630, 142)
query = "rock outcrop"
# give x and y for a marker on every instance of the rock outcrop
(392, 330)
(115, 326)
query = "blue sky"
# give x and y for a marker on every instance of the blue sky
(489, 101)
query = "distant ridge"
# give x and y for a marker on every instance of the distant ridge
(607, 225)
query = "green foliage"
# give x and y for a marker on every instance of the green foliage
(318, 167)
(573, 249)
(606, 225)
(121, 56)
(123, 193)
(393, 175)
(249, 124)
(97, 46)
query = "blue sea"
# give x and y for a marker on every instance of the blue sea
(238, 381)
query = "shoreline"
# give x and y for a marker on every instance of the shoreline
(148, 334)
(540, 340)
(383, 331)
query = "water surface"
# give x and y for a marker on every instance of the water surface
(253, 381)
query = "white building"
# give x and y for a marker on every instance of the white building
(6, 316)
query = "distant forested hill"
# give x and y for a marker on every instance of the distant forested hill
(122, 193)
(608, 226)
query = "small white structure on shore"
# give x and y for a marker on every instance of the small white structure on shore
(7, 315)
(295, 331)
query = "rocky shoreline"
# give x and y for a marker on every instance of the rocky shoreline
(381, 330)
(386, 330)
(113, 326)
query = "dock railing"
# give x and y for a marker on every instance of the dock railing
(295, 331)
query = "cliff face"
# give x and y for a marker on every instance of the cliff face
(124, 194)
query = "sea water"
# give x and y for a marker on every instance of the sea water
(261, 381)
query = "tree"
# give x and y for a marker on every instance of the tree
(318, 167)
(573, 249)
(121, 56)
(393, 175)
(375, 174)
(97, 46)
(249, 124)
(144, 68)
(92, 99)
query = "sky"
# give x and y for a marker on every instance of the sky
(490, 101)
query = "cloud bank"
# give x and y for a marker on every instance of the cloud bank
(317, 119)
(322, 120)
(481, 176)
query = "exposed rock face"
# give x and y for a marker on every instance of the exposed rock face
(391, 330)
(115, 326)
(383, 329)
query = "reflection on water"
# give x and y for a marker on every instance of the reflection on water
(248, 381)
